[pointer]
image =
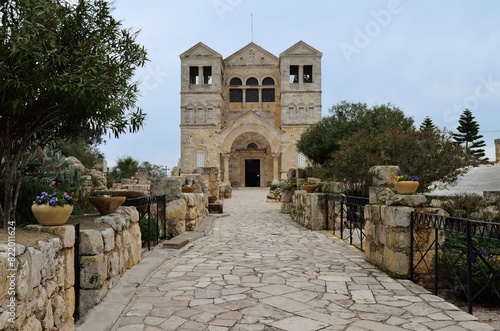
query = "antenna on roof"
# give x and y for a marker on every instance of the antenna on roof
(251, 25)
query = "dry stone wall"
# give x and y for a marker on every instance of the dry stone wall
(44, 275)
(107, 250)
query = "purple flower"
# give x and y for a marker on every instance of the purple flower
(52, 202)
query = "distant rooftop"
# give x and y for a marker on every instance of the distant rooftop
(476, 180)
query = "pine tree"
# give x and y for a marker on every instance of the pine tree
(427, 125)
(469, 137)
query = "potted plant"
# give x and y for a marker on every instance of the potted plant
(188, 186)
(406, 184)
(52, 208)
(212, 199)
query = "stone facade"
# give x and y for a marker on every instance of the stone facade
(244, 114)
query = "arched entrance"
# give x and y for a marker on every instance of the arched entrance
(250, 162)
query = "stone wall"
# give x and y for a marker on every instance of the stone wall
(109, 245)
(44, 268)
(44, 274)
(309, 209)
(185, 211)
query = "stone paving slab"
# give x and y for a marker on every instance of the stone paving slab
(258, 270)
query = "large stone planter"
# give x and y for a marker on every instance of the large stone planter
(106, 205)
(51, 215)
(309, 188)
(406, 187)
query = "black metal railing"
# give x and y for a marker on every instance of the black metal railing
(76, 263)
(152, 217)
(351, 214)
(457, 254)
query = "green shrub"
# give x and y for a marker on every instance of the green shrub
(154, 231)
(485, 268)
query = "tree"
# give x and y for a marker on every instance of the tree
(65, 69)
(87, 154)
(322, 139)
(431, 155)
(469, 137)
(126, 167)
(427, 125)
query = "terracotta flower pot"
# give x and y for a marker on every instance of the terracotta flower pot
(51, 215)
(106, 205)
(406, 187)
(212, 199)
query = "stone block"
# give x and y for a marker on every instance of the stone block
(32, 324)
(69, 302)
(379, 195)
(48, 320)
(108, 237)
(88, 299)
(93, 271)
(36, 266)
(115, 220)
(396, 263)
(113, 265)
(50, 252)
(91, 242)
(58, 309)
(69, 267)
(413, 200)
(135, 244)
(23, 286)
(177, 209)
(65, 232)
(399, 240)
(397, 216)
(384, 175)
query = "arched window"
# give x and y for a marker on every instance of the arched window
(200, 159)
(268, 93)
(252, 81)
(235, 95)
(235, 82)
(268, 81)
(252, 146)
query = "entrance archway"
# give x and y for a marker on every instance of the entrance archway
(250, 162)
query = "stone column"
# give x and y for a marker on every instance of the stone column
(276, 178)
(225, 177)
(200, 75)
(301, 74)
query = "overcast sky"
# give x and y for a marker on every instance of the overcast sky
(430, 58)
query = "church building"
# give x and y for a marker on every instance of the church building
(244, 114)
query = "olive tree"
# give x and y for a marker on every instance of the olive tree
(66, 69)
